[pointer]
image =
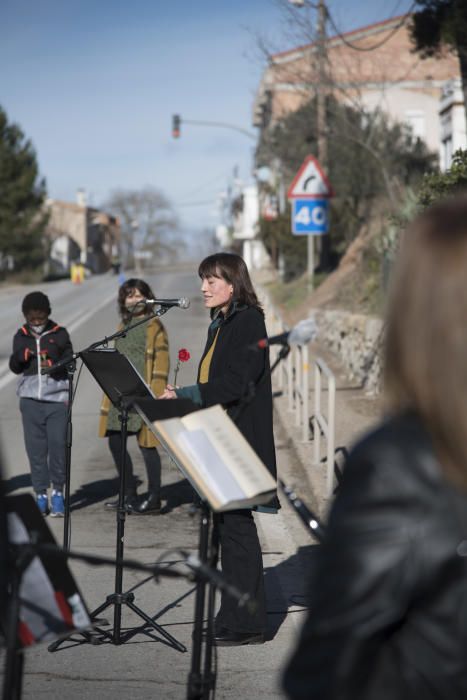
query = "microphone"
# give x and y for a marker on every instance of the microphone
(301, 334)
(307, 516)
(182, 303)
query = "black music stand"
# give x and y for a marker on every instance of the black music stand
(122, 383)
(202, 676)
(44, 600)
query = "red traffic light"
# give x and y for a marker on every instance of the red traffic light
(176, 126)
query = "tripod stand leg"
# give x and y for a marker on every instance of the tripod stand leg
(119, 598)
(88, 636)
(160, 630)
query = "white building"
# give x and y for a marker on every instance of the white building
(384, 74)
(452, 122)
(245, 213)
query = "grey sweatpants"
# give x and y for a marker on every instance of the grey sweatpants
(44, 425)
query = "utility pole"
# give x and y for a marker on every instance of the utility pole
(321, 95)
(319, 77)
(322, 242)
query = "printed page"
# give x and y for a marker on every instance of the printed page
(234, 450)
(210, 465)
(169, 431)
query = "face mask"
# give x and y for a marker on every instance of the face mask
(37, 329)
(135, 306)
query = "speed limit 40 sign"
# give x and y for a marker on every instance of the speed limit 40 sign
(310, 216)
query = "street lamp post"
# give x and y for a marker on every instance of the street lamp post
(177, 122)
(176, 131)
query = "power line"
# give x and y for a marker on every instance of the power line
(375, 46)
(206, 184)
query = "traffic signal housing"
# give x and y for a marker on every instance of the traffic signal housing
(176, 126)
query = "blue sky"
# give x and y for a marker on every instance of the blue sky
(94, 84)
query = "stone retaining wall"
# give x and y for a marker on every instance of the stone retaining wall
(357, 340)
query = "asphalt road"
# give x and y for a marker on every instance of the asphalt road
(145, 666)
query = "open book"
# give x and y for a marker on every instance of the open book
(215, 457)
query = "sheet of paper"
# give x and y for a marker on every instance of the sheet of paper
(233, 449)
(210, 465)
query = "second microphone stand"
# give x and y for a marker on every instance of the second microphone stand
(309, 519)
(69, 365)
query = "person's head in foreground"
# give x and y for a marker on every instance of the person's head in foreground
(426, 343)
(388, 599)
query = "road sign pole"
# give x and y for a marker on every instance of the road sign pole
(309, 193)
(311, 260)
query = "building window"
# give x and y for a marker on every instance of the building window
(446, 154)
(415, 119)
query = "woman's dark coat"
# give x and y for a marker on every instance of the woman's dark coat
(234, 367)
(388, 610)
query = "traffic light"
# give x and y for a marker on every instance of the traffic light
(176, 126)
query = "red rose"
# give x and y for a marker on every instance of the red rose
(183, 355)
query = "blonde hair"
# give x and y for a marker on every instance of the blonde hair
(426, 343)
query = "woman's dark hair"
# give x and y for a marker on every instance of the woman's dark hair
(231, 268)
(133, 283)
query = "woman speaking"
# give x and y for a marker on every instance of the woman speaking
(228, 373)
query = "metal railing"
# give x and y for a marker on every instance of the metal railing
(324, 425)
(297, 377)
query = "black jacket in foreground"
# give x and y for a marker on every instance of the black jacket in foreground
(233, 366)
(388, 611)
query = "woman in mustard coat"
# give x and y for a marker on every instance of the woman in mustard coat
(147, 347)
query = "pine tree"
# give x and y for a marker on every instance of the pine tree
(22, 194)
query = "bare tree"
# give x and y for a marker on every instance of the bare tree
(308, 73)
(148, 223)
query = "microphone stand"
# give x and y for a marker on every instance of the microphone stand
(310, 520)
(201, 683)
(202, 677)
(69, 363)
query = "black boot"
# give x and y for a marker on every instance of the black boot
(127, 502)
(150, 504)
